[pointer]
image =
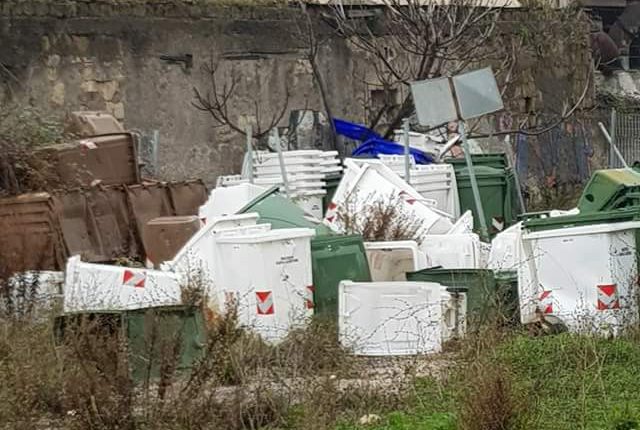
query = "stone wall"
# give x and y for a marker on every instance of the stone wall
(72, 54)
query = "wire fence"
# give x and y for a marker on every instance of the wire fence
(626, 137)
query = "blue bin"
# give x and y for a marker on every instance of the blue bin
(373, 147)
(354, 131)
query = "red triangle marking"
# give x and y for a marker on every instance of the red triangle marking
(311, 288)
(608, 290)
(545, 294)
(263, 295)
(548, 309)
(140, 283)
(128, 274)
(309, 304)
(332, 206)
(331, 218)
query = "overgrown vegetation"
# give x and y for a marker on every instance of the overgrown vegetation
(23, 131)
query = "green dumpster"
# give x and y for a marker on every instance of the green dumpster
(152, 335)
(334, 259)
(494, 193)
(610, 189)
(281, 212)
(478, 284)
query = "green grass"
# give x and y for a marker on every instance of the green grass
(558, 382)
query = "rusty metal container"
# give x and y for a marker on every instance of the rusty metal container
(163, 237)
(38, 231)
(108, 159)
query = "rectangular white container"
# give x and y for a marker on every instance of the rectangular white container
(269, 275)
(390, 318)
(453, 251)
(586, 276)
(100, 287)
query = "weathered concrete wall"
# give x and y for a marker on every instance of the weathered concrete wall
(78, 54)
(96, 56)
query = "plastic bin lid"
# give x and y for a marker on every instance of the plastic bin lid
(482, 171)
(613, 216)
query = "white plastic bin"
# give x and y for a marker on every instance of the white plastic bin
(453, 251)
(269, 275)
(311, 202)
(376, 182)
(390, 318)
(586, 276)
(100, 287)
(390, 261)
(229, 200)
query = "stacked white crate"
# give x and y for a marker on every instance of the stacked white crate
(306, 172)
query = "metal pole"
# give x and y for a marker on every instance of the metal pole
(249, 132)
(484, 232)
(407, 152)
(614, 118)
(283, 169)
(614, 148)
(512, 165)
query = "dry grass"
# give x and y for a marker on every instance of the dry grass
(379, 219)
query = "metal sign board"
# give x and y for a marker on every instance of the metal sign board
(477, 93)
(434, 102)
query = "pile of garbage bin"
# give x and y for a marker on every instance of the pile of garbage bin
(273, 244)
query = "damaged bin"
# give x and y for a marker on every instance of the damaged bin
(478, 284)
(336, 259)
(581, 269)
(148, 334)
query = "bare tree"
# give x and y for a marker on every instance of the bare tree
(220, 95)
(314, 43)
(422, 40)
(413, 40)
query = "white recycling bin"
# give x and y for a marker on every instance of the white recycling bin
(390, 318)
(453, 251)
(585, 275)
(390, 261)
(100, 287)
(269, 277)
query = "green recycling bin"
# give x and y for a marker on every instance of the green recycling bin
(151, 335)
(610, 189)
(494, 193)
(281, 212)
(478, 284)
(334, 259)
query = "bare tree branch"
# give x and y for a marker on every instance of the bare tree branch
(217, 98)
